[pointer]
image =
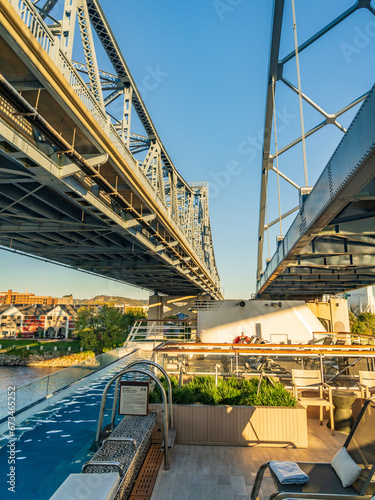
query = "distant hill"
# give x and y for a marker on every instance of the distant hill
(114, 299)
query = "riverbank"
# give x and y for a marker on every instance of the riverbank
(51, 359)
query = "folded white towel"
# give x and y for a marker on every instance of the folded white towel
(289, 473)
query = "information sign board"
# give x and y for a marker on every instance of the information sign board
(133, 398)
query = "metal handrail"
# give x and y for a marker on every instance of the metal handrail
(106, 464)
(144, 329)
(164, 398)
(118, 440)
(160, 368)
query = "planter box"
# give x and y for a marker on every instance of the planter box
(238, 425)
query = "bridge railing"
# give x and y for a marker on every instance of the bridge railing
(32, 19)
(158, 330)
(34, 22)
(80, 88)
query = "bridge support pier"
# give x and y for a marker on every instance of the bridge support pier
(155, 307)
(334, 313)
(160, 307)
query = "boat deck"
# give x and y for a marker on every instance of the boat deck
(227, 472)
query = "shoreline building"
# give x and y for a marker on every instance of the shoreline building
(11, 297)
(30, 319)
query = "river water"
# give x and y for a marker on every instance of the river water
(20, 375)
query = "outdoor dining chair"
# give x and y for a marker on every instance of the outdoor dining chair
(323, 482)
(340, 342)
(303, 380)
(366, 383)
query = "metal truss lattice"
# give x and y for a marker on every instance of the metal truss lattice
(328, 257)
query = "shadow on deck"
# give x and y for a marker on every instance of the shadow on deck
(223, 472)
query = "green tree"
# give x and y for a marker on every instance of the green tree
(100, 329)
(132, 315)
(365, 324)
(352, 321)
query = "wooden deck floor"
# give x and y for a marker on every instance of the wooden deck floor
(224, 472)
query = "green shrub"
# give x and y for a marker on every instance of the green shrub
(232, 392)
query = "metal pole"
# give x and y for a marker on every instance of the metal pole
(102, 404)
(47, 386)
(321, 366)
(237, 364)
(181, 374)
(299, 93)
(114, 404)
(276, 153)
(344, 369)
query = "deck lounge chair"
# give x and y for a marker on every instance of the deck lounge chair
(323, 481)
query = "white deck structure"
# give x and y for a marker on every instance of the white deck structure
(287, 321)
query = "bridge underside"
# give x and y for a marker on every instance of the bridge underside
(48, 221)
(70, 194)
(330, 246)
(340, 259)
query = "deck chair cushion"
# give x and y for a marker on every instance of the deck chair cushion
(345, 467)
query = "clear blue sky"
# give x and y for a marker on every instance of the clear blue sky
(212, 62)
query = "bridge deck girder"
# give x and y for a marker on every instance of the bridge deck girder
(334, 231)
(48, 203)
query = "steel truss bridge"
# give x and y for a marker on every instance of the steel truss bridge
(330, 245)
(77, 186)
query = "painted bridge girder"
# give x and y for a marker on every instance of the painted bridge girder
(330, 246)
(68, 174)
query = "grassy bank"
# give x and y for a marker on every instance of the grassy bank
(17, 347)
(28, 352)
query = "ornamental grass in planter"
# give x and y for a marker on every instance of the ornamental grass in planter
(231, 392)
(232, 413)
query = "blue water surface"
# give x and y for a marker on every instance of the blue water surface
(56, 441)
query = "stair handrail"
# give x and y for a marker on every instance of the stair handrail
(164, 398)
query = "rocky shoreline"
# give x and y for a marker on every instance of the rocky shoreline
(52, 360)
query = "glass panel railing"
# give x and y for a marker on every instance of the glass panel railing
(340, 367)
